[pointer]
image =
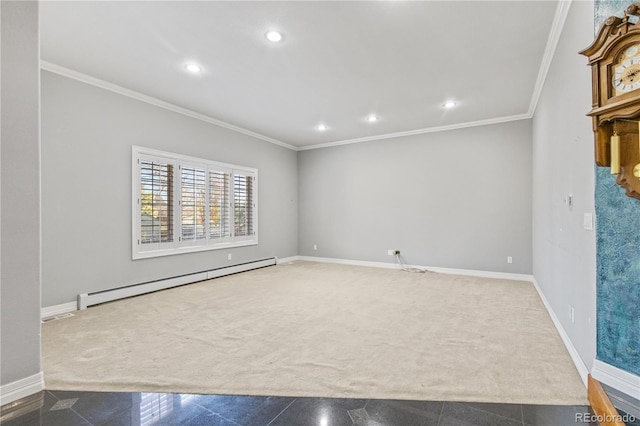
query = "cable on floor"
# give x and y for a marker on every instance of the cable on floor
(407, 268)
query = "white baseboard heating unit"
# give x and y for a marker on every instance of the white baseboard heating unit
(89, 299)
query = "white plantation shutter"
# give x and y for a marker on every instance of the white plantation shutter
(183, 204)
(193, 200)
(155, 201)
(219, 205)
(243, 204)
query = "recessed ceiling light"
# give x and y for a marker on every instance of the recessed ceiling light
(193, 68)
(449, 104)
(321, 127)
(372, 118)
(273, 36)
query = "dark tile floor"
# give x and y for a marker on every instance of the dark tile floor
(53, 408)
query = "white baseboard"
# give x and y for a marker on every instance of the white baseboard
(287, 259)
(349, 262)
(477, 273)
(64, 308)
(89, 299)
(19, 389)
(621, 380)
(51, 311)
(451, 271)
(573, 352)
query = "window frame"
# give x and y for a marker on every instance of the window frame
(178, 245)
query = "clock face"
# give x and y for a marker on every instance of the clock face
(626, 73)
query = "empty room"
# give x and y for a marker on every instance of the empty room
(320, 213)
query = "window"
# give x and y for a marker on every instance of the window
(193, 197)
(219, 202)
(242, 205)
(156, 200)
(183, 204)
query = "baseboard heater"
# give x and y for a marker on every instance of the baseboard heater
(89, 299)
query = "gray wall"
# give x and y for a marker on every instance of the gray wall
(564, 254)
(87, 134)
(456, 199)
(20, 190)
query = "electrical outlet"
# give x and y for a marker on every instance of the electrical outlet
(392, 252)
(509, 259)
(229, 256)
(315, 247)
(573, 315)
(587, 222)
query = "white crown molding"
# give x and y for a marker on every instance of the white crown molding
(66, 72)
(562, 10)
(621, 380)
(557, 26)
(21, 388)
(420, 131)
(573, 352)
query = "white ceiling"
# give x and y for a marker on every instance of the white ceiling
(339, 61)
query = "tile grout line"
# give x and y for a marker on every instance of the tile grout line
(51, 393)
(215, 414)
(489, 412)
(70, 409)
(226, 419)
(80, 415)
(409, 408)
(441, 411)
(283, 410)
(497, 415)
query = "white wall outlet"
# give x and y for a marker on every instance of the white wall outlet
(392, 252)
(229, 256)
(573, 315)
(315, 247)
(509, 259)
(588, 221)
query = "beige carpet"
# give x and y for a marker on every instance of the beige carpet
(310, 329)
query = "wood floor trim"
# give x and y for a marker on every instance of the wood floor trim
(604, 410)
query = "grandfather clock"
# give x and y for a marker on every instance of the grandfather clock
(614, 58)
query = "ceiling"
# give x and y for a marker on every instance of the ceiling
(339, 61)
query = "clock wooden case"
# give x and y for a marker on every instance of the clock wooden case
(614, 58)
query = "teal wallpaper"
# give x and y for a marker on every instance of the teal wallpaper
(618, 255)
